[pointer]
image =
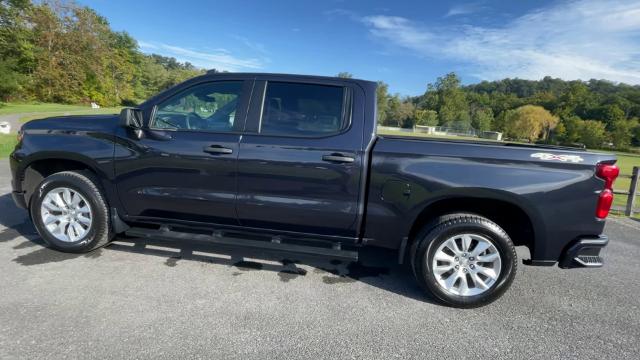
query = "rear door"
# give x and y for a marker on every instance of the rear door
(301, 157)
(184, 166)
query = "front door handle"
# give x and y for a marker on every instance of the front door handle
(217, 149)
(338, 158)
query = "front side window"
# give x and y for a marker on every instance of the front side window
(207, 107)
(304, 110)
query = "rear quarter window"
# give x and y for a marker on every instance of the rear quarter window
(303, 110)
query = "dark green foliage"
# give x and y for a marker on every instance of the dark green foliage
(60, 52)
(612, 110)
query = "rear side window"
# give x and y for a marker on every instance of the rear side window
(303, 110)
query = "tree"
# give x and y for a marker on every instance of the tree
(482, 119)
(636, 133)
(426, 117)
(622, 133)
(345, 75)
(592, 133)
(382, 101)
(16, 49)
(447, 98)
(400, 112)
(530, 122)
(612, 114)
(568, 131)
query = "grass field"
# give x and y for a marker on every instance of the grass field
(626, 162)
(7, 143)
(43, 110)
(18, 108)
(13, 108)
(85, 111)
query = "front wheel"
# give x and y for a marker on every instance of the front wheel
(70, 212)
(465, 260)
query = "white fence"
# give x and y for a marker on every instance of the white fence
(447, 131)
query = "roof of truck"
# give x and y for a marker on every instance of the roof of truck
(210, 73)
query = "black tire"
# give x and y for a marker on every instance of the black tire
(99, 232)
(432, 236)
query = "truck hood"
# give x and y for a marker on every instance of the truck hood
(97, 123)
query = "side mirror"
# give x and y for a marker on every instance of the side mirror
(131, 118)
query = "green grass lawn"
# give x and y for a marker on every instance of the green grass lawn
(43, 110)
(7, 143)
(626, 162)
(18, 108)
(85, 111)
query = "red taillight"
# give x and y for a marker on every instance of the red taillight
(609, 173)
(604, 203)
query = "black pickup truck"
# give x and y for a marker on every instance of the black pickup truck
(293, 163)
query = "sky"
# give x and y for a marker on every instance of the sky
(406, 44)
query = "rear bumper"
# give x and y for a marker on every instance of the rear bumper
(584, 253)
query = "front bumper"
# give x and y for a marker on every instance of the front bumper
(584, 252)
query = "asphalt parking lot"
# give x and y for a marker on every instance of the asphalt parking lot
(146, 299)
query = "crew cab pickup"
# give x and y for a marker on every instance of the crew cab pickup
(293, 163)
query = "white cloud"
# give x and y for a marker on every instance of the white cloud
(220, 59)
(464, 9)
(573, 40)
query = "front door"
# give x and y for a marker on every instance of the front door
(184, 167)
(301, 159)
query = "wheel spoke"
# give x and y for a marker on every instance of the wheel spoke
(451, 280)
(60, 229)
(50, 205)
(85, 209)
(463, 288)
(49, 218)
(84, 220)
(490, 273)
(58, 200)
(78, 229)
(66, 196)
(75, 200)
(441, 256)
(466, 242)
(479, 283)
(488, 258)
(451, 245)
(441, 269)
(71, 232)
(480, 248)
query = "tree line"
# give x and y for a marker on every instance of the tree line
(57, 51)
(594, 113)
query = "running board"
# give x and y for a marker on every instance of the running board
(276, 243)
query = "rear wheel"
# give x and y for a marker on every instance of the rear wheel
(465, 260)
(70, 212)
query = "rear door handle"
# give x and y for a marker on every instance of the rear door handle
(338, 158)
(217, 149)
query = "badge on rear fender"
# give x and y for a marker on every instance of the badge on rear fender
(556, 157)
